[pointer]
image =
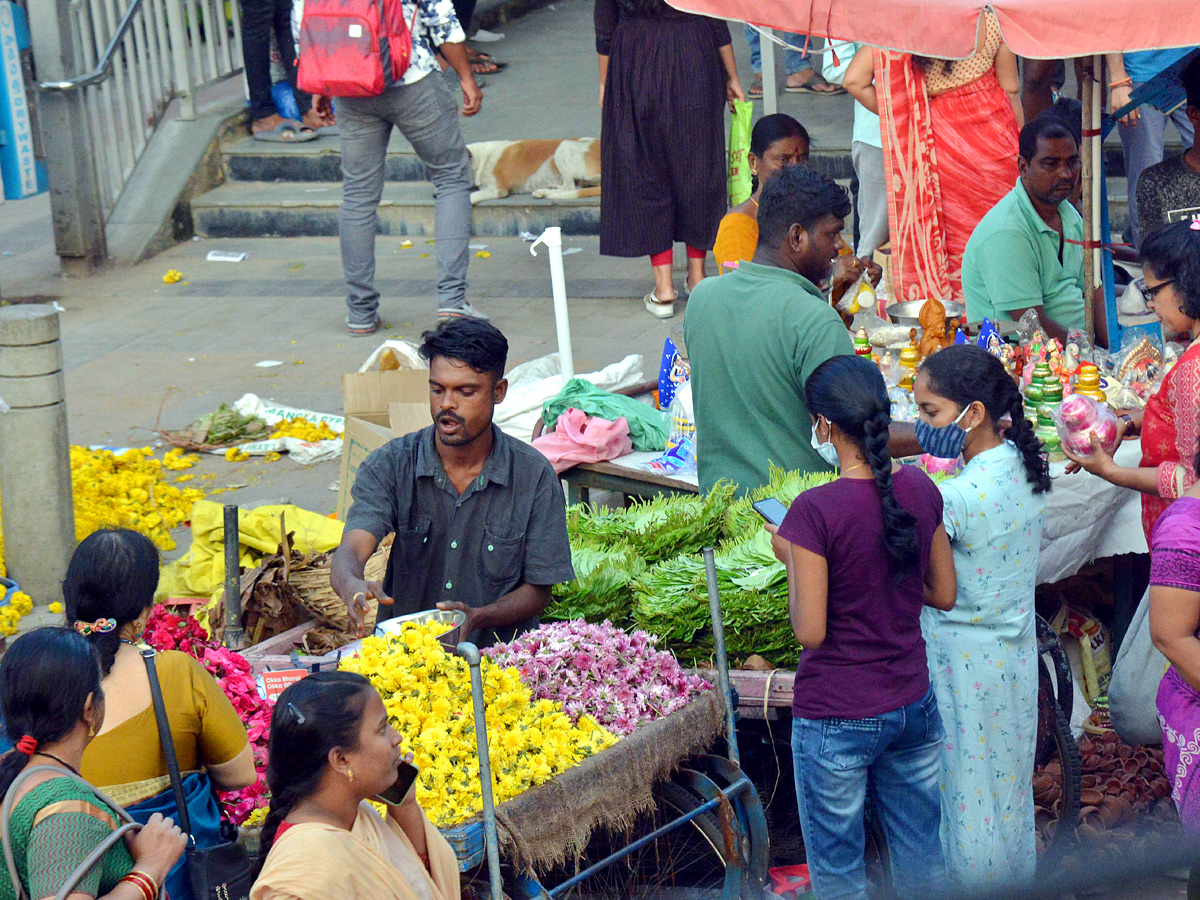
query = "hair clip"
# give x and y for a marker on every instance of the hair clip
(1195, 226)
(299, 715)
(100, 626)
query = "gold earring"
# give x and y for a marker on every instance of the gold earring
(91, 730)
(350, 775)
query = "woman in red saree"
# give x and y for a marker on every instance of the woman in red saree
(1170, 423)
(949, 131)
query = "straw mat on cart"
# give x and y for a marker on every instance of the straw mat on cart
(551, 824)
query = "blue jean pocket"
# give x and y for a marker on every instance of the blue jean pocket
(850, 743)
(935, 732)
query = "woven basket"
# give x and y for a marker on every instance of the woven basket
(319, 598)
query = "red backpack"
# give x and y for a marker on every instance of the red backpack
(341, 46)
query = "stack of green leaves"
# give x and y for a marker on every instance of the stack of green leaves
(657, 529)
(671, 600)
(742, 522)
(603, 585)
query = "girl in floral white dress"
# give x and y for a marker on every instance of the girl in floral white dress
(983, 652)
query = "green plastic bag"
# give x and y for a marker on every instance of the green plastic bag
(647, 426)
(739, 152)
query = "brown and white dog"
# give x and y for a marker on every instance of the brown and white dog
(549, 169)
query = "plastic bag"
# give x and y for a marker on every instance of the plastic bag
(673, 372)
(1078, 418)
(681, 439)
(1095, 646)
(860, 296)
(1139, 668)
(739, 152)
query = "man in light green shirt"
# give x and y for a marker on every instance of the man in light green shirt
(1027, 252)
(755, 335)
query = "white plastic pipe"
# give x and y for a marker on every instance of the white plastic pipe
(552, 238)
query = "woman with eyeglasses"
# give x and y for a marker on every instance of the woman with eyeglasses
(1169, 426)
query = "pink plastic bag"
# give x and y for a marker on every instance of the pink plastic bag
(579, 437)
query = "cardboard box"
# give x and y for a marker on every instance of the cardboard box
(368, 398)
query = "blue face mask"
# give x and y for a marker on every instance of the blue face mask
(945, 442)
(825, 450)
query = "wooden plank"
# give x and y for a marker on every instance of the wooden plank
(776, 686)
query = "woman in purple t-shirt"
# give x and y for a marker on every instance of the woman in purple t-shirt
(865, 553)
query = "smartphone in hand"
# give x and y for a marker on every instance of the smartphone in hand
(397, 794)
(771, 510)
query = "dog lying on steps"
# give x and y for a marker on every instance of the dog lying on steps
(566, 169)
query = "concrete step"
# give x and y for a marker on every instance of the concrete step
(305, 209)
(321, 160)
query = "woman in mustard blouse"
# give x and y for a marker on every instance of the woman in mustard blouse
(777, 141)
(109, 591)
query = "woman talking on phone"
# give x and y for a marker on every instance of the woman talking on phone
(332, 750)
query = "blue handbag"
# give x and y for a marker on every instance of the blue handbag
(205, 817)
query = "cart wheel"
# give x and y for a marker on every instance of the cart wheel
(1057, 743)
(689, 857)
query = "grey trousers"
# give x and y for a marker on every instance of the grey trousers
(427, 115)
(872, 198)
(1142, 147)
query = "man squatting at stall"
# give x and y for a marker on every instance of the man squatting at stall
(479, 517)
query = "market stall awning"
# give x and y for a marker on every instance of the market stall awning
(1047, 29)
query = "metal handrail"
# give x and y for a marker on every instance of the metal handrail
(101, 71)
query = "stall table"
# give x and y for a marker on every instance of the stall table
(625, 476)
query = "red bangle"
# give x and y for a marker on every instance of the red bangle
(144, 883)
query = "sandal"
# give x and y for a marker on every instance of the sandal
(286, 132)
(756, 88)
(483, 64)
(660, 309)
(810, 87)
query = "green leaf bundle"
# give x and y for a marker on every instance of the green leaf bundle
(658, 529)
(602, 588)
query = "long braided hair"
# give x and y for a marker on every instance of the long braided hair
(964, 374)
(849, 391)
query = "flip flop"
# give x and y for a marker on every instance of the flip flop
(756, 88)
(286, 132)
(809, 87)
(328, 131)
(660, 309)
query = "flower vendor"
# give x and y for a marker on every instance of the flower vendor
(109, 592)
(332, 751)
(479, 517)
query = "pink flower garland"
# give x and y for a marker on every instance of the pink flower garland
(168, 631)
(620, 679)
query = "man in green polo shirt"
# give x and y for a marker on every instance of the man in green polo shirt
(1027, 252)
(755, 335)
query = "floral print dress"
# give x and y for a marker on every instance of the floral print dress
(983, 665)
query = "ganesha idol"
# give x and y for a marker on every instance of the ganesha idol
(1078, 418)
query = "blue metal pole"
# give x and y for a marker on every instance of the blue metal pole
(470, 653)
(714, 608)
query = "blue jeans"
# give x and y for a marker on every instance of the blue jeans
(896, 757)
(1142, 146)
(794, 60)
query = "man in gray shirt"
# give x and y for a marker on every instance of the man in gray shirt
(479, 517)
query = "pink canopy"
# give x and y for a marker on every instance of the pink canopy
(1045, 29)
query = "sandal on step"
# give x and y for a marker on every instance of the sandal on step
(660, 309)
(756, 88)
(286, 132)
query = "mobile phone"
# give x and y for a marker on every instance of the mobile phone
(406, 777)
(771, 510)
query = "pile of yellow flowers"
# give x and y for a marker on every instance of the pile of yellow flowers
(304, 430)
(19, 606)
(427, 693)
(128, 491)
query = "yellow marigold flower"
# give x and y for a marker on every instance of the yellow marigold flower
(233, 454)
(56, 608)
(173, 276)
(427, 694)
(304, 430)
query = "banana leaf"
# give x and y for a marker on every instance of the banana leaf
(602, 588)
